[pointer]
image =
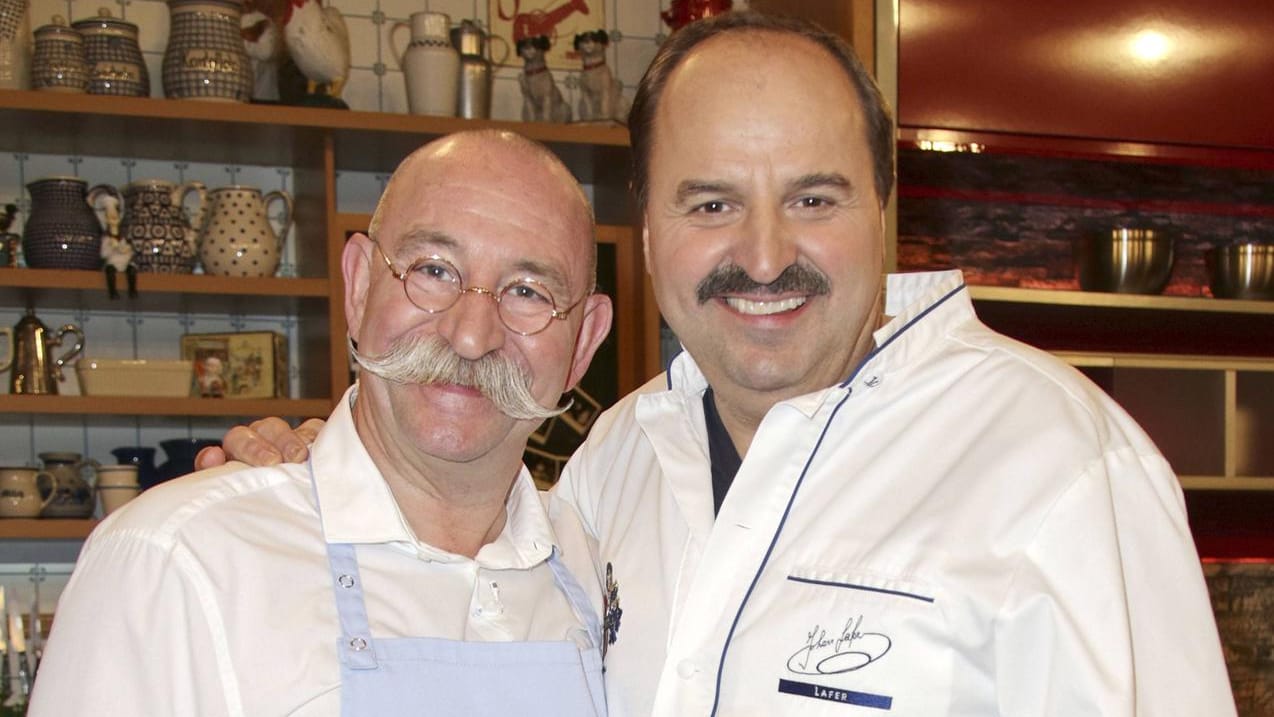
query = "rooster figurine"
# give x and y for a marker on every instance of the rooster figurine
(318, 43)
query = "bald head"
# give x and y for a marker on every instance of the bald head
(519, 165)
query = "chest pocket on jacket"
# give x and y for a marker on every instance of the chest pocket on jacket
(855, 637)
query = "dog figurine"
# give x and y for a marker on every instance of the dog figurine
(541, 99)
(601, 95)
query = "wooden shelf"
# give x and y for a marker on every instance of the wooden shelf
(46, 528)
(198, 293)
(126, 406)
(153, 128)
(1128, 323)
(1119, 301)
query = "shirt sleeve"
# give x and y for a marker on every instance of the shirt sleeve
(133, 634)
(1109, 612)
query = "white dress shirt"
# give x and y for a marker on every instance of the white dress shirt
(211, 594)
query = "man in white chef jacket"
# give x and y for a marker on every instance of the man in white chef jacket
(408, 567)
(848, 496)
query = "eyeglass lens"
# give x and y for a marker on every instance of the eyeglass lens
(525, 305)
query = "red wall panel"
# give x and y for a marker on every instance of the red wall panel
(1160, 71)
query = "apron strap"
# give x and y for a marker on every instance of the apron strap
(356, 634)
(355, 646)
(577, 597)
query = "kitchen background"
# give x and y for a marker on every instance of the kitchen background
(1008, 219)
(377, 85)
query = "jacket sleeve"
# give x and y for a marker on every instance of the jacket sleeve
(1108, 613)
(132, 635)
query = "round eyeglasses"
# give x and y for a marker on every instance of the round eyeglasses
(433, 285)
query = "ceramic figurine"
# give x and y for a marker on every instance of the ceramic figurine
(117, 252)
(541, 99)
(601, 95)
(318, 42)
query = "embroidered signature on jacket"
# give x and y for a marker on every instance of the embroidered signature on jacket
(852, 649)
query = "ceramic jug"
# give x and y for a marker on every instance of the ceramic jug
(15, 45)
(33, 371)
(237, 238)
(112, 56)
(205, 58)
(57, 65)
(155, 224)
(141, 456)
(70, 489)
(20, 492)
(430, 65)
(62, 232)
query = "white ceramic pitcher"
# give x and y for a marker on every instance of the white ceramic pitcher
(238, 238)
(430, 65)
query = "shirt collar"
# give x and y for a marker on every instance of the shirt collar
(358, 507)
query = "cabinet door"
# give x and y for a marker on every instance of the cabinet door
(1159, 71)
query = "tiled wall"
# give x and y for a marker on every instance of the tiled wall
(376, 84)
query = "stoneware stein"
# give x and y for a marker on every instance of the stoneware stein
(58, 62)
(15, 45)
(155, 224)
(112, 56)
(69, 490)
(20, 492)
(237, 239)
(34, 370)
(116, 485)
(62, 232)
(430, 65)
(206, 58)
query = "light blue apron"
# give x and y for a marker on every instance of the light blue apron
(432, 676)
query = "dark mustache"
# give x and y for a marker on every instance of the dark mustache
(732, 279)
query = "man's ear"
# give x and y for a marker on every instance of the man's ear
(598, 314)
(357, 269)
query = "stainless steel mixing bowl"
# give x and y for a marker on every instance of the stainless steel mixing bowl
(1243, 270)
(1125, 260)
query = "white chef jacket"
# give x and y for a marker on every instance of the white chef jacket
(212, 594)
(965, 526)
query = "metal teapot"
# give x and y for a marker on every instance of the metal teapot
(32, 370)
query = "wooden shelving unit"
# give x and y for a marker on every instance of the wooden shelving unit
(315, 144)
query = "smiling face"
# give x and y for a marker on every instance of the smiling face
(764, 232)
(497, 209)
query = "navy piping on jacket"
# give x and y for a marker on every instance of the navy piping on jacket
(787, 511)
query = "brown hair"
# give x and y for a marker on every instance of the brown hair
(641, 118)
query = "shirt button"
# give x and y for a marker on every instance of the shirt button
(687, 669)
